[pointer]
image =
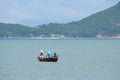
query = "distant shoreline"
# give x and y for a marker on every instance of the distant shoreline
(55, 38)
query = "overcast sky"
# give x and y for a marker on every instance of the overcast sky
(36, 12)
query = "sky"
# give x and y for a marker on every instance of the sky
(38, 12)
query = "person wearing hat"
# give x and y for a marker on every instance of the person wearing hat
(41, 54)
(49, 55)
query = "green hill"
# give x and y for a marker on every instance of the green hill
(13, 30)
(105, 23)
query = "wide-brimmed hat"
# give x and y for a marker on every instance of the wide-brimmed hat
(41, 51)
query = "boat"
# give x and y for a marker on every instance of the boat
(52, 59)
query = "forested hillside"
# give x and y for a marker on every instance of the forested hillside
(105, 23)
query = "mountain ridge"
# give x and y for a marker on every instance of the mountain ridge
(105, 23)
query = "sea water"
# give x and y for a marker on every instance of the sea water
(82, 59)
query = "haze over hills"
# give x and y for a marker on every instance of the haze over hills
(105, 23)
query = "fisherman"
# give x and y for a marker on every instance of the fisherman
(55, 55)
(49, 55)
(41, 54)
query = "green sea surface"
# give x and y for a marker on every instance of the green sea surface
(82, 59)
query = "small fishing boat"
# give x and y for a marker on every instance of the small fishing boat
(52, 59)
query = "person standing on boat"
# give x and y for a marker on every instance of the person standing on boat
(41, 55)
(49, 55)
